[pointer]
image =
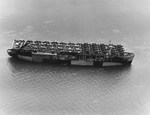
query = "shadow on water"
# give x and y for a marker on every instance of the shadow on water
(37, 73)
(16, 65)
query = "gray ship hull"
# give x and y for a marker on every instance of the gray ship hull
(53, 59)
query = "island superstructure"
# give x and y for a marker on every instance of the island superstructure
(85, 54)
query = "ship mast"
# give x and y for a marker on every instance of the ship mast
(109, 42)
(110, 48)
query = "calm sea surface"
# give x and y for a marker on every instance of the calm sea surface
(42, 89)
(34, 89)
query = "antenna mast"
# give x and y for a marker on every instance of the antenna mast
(109, 42)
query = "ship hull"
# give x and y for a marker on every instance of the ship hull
(52, 59)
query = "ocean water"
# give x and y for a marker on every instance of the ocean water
(33, 89)
(42, 89)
